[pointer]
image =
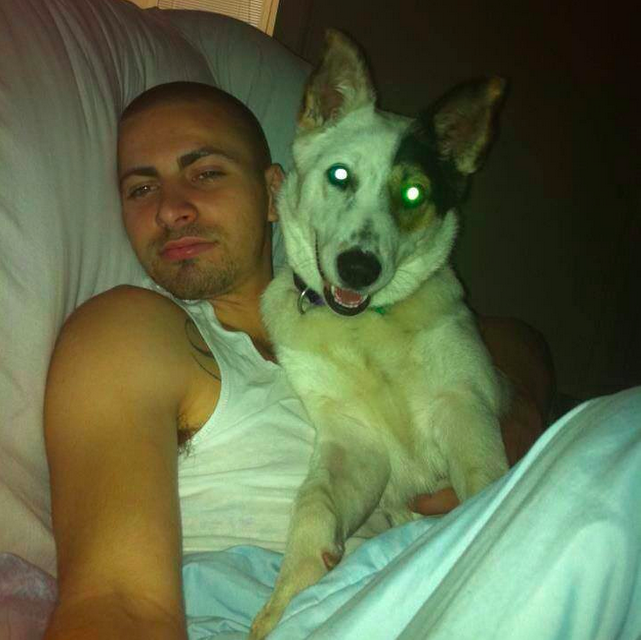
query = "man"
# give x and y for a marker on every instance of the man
(134, 369)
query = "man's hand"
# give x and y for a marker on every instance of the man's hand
(522, 354)
(435, 504)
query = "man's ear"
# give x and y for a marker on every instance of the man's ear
(274, 175)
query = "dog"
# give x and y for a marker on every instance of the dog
(368, 319)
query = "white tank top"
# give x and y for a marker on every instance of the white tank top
(241, 471)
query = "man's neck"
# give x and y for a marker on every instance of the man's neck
(240, 311)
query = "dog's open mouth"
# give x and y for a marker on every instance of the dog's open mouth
(344, 301)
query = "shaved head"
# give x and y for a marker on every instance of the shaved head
(191, 92)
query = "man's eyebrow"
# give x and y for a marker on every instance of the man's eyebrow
(184, 161)
(139, 171)
(188, 158)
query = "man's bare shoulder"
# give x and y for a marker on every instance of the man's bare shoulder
(128, 299)
(124, 312)
(127, 329)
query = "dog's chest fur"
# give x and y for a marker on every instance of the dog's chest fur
(381, 370)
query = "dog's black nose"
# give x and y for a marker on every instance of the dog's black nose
(357, 268)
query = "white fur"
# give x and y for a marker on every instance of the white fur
(404, 402)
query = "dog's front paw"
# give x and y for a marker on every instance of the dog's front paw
(266, 620)
(295, 576)
(268, 617)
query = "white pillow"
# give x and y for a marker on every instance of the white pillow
(68, 68)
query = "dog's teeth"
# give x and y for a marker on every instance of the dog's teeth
(346, 297)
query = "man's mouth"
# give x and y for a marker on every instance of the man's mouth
(185, 248)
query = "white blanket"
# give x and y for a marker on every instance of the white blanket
(549, 552)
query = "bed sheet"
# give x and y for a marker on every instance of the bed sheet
(550, 551)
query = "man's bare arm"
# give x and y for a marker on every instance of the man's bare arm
(113, 390)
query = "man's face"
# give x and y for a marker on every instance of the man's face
(196, 206)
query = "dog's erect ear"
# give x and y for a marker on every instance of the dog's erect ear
(462, 122)
(339, 85)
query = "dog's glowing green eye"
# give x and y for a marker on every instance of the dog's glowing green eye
(338, 175)
(412, 195)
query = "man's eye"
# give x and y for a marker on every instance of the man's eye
(209, 174)
(139, 192)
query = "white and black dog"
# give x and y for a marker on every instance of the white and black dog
(369, 320)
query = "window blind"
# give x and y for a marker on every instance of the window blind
(258, 13)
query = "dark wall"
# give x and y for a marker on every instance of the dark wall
(551, 231)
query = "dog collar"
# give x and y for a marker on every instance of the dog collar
(305, 292)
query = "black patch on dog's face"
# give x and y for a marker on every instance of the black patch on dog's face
(419, 147)
(411, 215)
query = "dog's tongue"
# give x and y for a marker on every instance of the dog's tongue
(347, 297)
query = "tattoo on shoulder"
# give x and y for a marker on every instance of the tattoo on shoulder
(200, 352)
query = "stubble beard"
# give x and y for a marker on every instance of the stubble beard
(194, 278)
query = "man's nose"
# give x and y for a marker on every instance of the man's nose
(175, 209)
